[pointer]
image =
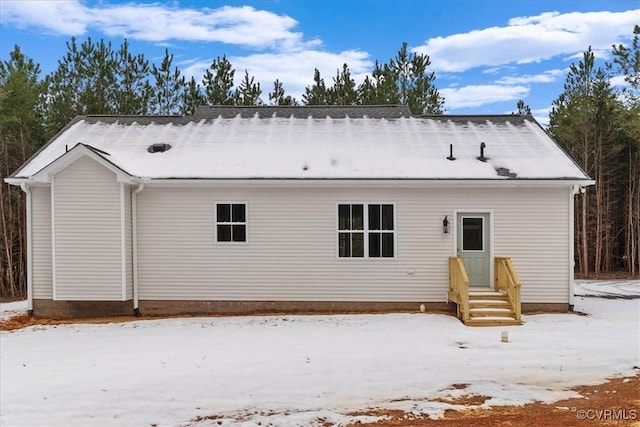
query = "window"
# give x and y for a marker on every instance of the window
(231, 222)
(366, 231)
(472, 231)
(351, 231)
(381, 231)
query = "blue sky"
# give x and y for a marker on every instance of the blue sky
(486, 54)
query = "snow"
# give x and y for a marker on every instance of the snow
(608, 288)
(298, 370)
(312, 148)
(10, 309)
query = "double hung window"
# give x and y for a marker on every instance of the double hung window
(231, 222)
(366, 231)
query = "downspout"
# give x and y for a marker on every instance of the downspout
(27, 191)
(572, 194)
(134, 242)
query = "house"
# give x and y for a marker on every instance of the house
(316, 208)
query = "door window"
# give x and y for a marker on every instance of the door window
(472, 234)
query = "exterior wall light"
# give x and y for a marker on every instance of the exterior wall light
(445, 225)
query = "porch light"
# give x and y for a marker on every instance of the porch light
(445, 225)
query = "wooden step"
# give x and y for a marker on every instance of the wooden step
(490, 308)
(487, 295)
(493, 321)
(480, 303)
(491, 312)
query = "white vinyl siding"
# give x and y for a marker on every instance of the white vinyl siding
(534, 232)
(87, 233)
(41, 241)
(292, 251)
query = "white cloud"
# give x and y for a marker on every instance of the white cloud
(158, 22)
(548, 76)
(619, 81)
(60, 17)
(542, 115)
(597, 53)
(477, 95)
(529, 39)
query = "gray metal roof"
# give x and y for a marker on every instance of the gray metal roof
(318, 142)
(303, 112)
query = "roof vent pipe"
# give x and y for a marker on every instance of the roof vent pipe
(482, 158)
(451, 153)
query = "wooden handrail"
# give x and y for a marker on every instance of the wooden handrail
(459, 287)
(507, 280)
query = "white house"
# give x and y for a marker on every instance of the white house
(258, 209)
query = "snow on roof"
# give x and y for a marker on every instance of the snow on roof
(316, 143)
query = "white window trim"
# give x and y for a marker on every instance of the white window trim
(366, 230)
(216, 223)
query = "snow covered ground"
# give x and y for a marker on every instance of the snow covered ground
(298, 370)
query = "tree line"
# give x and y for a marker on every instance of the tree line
(93, 77)
(600, 128)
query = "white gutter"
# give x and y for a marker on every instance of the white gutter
(27, 191)
(348, 182)
(134, 242)
(572, 263)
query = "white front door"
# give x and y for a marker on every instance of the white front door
(473, 246)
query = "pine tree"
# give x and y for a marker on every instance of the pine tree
(317, 93)
(134, 91)
(169, 87)
(422, 95)
(192, 98)
(381, 88)
(97, 68)
(21, 134)
(248, 92)
(626, 62)
(218, 82)
(523, 109)
(583, 121)
(63, 88)
(415, 86)
(278, 97)
(343, 91)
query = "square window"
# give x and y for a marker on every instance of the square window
(231, 222)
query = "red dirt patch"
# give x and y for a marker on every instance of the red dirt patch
(24, 320)
(614, 403)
